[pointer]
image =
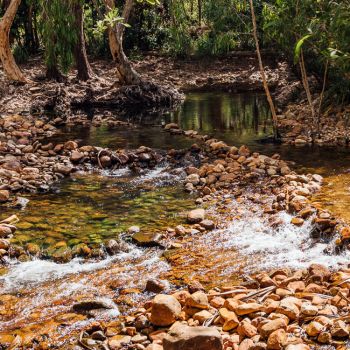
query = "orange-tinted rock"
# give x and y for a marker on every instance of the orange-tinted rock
(165, 310)
(183, 337)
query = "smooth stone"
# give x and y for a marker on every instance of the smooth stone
(183, 337)
(147, 239)
(195, 216)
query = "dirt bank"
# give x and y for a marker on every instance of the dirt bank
(238, 73)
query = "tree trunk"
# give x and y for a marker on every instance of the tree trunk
(8, 61)
(262, 72)
(81, 60)
(305, 82)
(53, 73)
(29, 30)
(125, 72)
(200, 13)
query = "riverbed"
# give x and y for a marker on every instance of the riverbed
(37, 296)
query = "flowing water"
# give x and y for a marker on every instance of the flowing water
(36, 296)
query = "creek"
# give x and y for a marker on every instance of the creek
(37, 296)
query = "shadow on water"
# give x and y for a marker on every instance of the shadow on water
(234, 118)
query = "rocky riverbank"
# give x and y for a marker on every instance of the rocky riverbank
(297, 126)
(282, 309)
(213, 169)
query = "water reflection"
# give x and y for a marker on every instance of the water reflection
(234, 118)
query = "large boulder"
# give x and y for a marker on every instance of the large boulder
(183, 337)
(165, 310)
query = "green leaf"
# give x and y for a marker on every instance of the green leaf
(298, 47)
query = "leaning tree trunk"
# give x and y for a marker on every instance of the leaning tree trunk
(126, 73)
(82, 62)
(263, 75)
(8, 61)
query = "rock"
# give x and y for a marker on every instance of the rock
(147, 239)
(183, 337)
(118, 342)
(207, 224)
(92, 304)
(313, 329)
(196, 216)
(246, 344)
(33, 248)
(308, 309)
(189, 187)
(194, 179)
(70, 145)
(230, 319)
(105, 161)
(288, 308)
(277, 339)
(246, 329)
(138, 338)
(171, 126)
(271, 326)
(21, 202)
(247, 308)
(198, 300)
(244, 151)
(165, 310)
(345, 233)
(297, 221)
(4, 244)
(339, 329)
(116, 246)
(216, 146)
(195, 286)
(133, 229)
(5, 231)
(4, 196)
(322, 272)
(63, 169)
(98, 335)
(62, 255)
(297, 347)
(324, 338)
(154, 346)
(180, 230)
(202, 316)
(155, 286)
(76, 157)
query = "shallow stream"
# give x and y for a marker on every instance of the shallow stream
(36, 296)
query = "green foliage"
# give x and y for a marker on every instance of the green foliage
(148, 30)
(110, 19)
(321, 29)
(225, 26)
(59, 33)
(20, 53)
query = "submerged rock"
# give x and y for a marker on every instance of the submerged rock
(155, 286)
(93, 304)
(147, 239)
(21, 202)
